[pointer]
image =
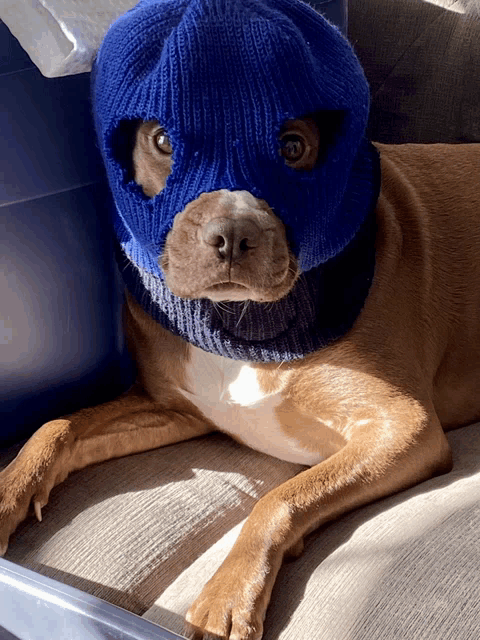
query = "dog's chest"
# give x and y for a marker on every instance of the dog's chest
(229, 393)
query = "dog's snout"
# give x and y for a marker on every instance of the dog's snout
(230, 237)
(228, 245)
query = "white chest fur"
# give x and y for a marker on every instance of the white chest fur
(229, 394)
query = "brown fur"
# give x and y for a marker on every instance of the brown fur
(409, 366)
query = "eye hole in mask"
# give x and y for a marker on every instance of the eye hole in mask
(330, 125)
(152, 157)
(123, 144)
(144, 152)
(299, 143)
(303, 143)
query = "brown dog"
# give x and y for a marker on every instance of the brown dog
(366, 413)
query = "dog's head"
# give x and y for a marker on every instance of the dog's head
(245, 119)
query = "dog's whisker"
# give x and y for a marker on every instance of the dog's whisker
(215, 306)
(246, 304)
(225, 307)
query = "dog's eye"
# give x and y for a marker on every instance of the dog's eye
(163, 142)
(292, 147)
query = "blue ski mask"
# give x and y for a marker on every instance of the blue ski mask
(223, 77)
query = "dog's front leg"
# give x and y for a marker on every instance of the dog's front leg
(375, 463)
(131, 423)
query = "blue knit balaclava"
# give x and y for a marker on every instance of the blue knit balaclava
(222, 77)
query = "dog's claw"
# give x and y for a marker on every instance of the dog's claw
(38, 510)
(3, 549)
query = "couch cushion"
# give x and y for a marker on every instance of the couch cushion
(404, 567)
(125, 529)
(145, 532)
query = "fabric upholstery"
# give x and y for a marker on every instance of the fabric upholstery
(124, 529)
(145, 533)
(422, 60)
(404, 567)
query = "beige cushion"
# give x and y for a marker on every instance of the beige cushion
(123, 530)
(145, 532)
(405, 567)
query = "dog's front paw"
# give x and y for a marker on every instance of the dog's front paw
(43, 462)
(14, 503)
(232, 604)
(16, 495)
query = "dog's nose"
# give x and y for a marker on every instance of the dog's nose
(231, 237)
